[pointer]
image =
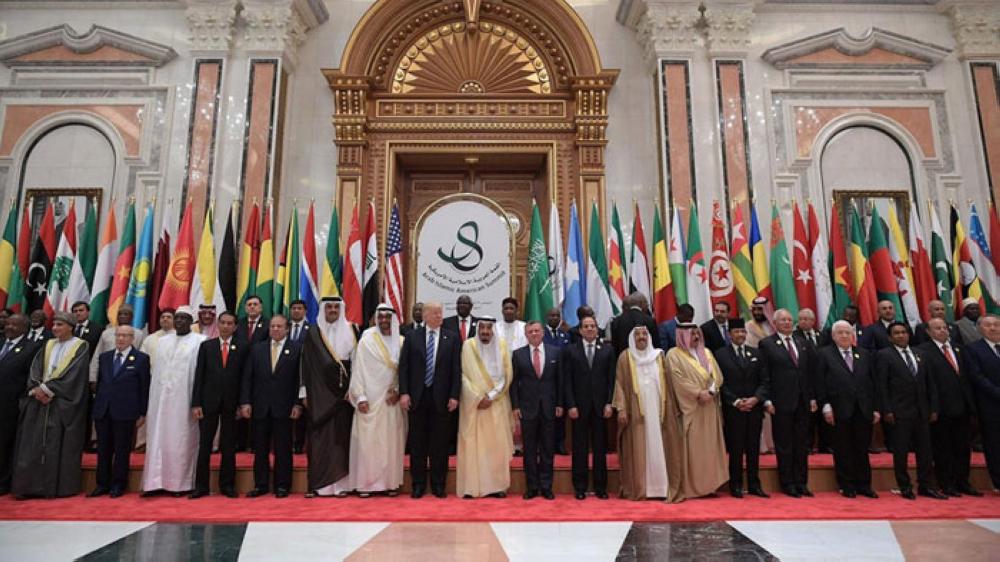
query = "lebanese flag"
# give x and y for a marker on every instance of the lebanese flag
(354, 272)
(177, 289)
(805, 286)
(720, 277)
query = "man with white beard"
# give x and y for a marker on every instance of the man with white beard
(172, 434)
(378, 434)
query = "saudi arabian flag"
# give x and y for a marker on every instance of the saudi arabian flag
(538, 301)
(598, 293)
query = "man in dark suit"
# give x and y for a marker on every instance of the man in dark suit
(416, 320)
(634, 314)
(89, 332)
(463, 322)
(430, 382)
(588, 375)
(805, 331)
(947, 370)
(254, 328)
(536, 400)
(215, 402)
(269, 393)
(984, 360)
(16, 355)
(554, 334)
(581, 313)
(847, 392)
(935, 309)
(119, 407)
(851, 314)
(876, 336)
(667, 330)
(790, 399)
(298, 326)
(717, 329)
(37, 332)
(908, 403)
(744, 391)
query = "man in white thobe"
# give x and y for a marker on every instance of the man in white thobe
(149, 348)
(485, 435)
(172, 433)
(378, 434)
(510, 328)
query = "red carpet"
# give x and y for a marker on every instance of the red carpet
(217, 509)
(245, 460)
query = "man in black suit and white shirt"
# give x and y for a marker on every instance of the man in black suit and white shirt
(254, 328)
(790, 399)
(269, 394)
(847, 392)
(430, 382)
(37, 332)
(588, 375)
(908, 403)
(463, 322)
(744, 390)
(876, 336)
(416, 320)
(215, 401)
(717, 329)
(948, 369)
(16, 355)
(536, 400)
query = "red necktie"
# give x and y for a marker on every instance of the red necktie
(225, 354)
(461, 329)
(951, 358)
(536, 360)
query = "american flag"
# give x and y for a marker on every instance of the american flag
(394, 264)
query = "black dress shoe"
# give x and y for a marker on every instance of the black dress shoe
(757, 491)
(868, 493)
(281, 493)
(98, 492)
(498, 495)
(806, 492)
(602, 495)
(930, 493)
(970, 491)
(951, 493)
(116, 494)
(4, 491)
(417, 492)
(790, 492)
(580, 495)
(256, 493)
(848, 494)
(229, 493)
(198, 494)
(547, 494)
(440, 494)
(908, 494)
(736, 492)
(178, 494)
(530, 494)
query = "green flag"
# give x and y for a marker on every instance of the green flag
(10, 275)
(81, 277)
(782, 281)
(538, 300)
(332, 265)
(598, 293)
(286, 284)
(882, 265)
(941, 266)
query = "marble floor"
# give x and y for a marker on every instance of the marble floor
(856, 541)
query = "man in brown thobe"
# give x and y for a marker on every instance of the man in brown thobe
(648, 430)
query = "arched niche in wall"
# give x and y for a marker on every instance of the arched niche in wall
(865, 157)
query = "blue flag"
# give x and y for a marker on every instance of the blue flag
(138, 285)
(575, 271)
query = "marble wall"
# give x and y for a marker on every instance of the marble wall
(941, 97)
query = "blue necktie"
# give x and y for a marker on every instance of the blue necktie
(6, 349)
(118, 362)
(429, 361)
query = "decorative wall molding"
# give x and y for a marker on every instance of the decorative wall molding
(211, 24)
(280, 26)
(728, 27)
(876, 49)
(670, 30)
(61, 45)
(976, 26)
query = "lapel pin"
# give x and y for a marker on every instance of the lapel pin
(856, 356)
(131, 357)
(232, 347)
(286, 352)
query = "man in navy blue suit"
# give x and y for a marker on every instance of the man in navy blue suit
(119, 407)
(269, 395)
(984, 360)
(537, 401)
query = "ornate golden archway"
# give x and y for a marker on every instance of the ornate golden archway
(470, 77)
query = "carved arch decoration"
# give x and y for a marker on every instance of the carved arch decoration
(461, 75)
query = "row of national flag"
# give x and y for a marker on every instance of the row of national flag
(863, 259)
(874, 259)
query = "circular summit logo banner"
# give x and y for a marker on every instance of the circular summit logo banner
(463, 247)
